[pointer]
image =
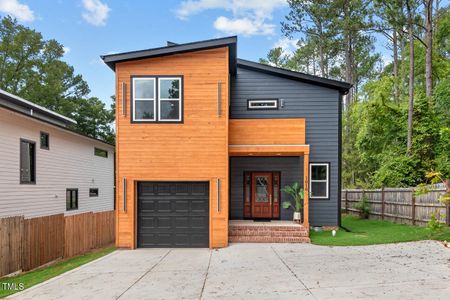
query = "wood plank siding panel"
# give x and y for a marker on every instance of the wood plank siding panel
(69, 163)
(267, 131)
(196, 150)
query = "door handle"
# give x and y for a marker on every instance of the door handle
(270, 199)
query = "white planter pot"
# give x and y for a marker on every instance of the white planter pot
(297, 217)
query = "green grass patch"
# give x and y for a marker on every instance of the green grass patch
(40, 275)
(371, 232)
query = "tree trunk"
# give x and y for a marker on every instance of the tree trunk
(411, 77)
(348, 69)
(321, 60)
(395, 49)
(429, 49)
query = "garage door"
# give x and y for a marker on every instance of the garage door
(173, 214)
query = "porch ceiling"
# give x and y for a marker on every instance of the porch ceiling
(268, 150)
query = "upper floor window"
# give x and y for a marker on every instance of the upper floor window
(100, 152)
(262, 104)
(27, 161)
(319, 180)
(45, 141)
(157, 99)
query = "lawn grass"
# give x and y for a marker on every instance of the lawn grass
(370, 232)
(40, 275)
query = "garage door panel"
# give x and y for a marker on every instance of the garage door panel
(173, 214)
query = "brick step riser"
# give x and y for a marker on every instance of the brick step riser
(253, 239)
(266, 228)
(268, 233)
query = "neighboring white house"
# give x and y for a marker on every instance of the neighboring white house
(46, 168)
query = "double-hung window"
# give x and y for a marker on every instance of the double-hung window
(319, 180)
(144, 100)
(157, 99)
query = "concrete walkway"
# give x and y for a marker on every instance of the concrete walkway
(419, 270)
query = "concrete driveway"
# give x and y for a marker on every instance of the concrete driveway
(419, 270)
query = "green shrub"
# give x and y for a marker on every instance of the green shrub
(434, 223)
(363, 207)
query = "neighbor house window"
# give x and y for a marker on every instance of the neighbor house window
(262, 104)
(71, 199)
(319, 180)
(27, 161)
(157, 99)
(45, 141)
(100, 152)
(93, 192)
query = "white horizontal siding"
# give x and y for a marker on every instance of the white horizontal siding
(70, 163)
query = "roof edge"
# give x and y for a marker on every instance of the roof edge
(341, 86)
(112, 59)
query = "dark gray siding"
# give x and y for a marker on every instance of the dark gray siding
(318, 105)
(291, 169)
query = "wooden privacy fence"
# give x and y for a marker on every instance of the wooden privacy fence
(26, 244)
(399, 205)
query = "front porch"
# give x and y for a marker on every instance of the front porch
(274, 231)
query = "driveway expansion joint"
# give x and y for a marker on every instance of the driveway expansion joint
(206, 275)
(143, 275)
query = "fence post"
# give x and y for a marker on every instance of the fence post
(346, 201)
(413, 207)
(382, 203)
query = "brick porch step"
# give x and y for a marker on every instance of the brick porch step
(268, 239)
(270, 232)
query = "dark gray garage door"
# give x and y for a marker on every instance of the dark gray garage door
(173, 214)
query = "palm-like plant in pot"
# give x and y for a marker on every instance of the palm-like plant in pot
(297, 195)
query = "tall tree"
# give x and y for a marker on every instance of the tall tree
(275, 58)
(32, 68)
(428, 6)
(410, 8)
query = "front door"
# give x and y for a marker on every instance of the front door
(262, 195)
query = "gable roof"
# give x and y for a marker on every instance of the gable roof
(173, 48)
(342, 86)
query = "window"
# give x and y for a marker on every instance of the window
(157, 103)
(100, 152)
(93, 192)
(262, 104)
(169, 99)
(319, 180)
(45, 141)
(27, 161)
(71, 199)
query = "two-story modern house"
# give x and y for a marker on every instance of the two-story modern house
(205, 138)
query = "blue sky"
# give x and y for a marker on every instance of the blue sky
(89, 28)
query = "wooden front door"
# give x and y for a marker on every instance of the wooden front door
(262, 195)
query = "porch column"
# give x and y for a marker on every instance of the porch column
(306, 190)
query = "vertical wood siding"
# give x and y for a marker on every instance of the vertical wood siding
(196, 150)
(69, 163)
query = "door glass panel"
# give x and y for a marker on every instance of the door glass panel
(247, 187)
(262, 191)
(275, 188)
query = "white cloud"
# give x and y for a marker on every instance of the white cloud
(250, 17)
(244, 26)
(96, 12)
(66, 50)
(288, 45)
(16, 9)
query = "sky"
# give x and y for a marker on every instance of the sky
(90, 28)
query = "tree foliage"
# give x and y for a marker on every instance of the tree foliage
(337, 40)
(32, 68)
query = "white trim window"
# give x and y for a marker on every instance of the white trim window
(262, 104)
(144, 102)
(319, 180)
(169, 99)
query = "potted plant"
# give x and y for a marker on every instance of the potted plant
(297, 194)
